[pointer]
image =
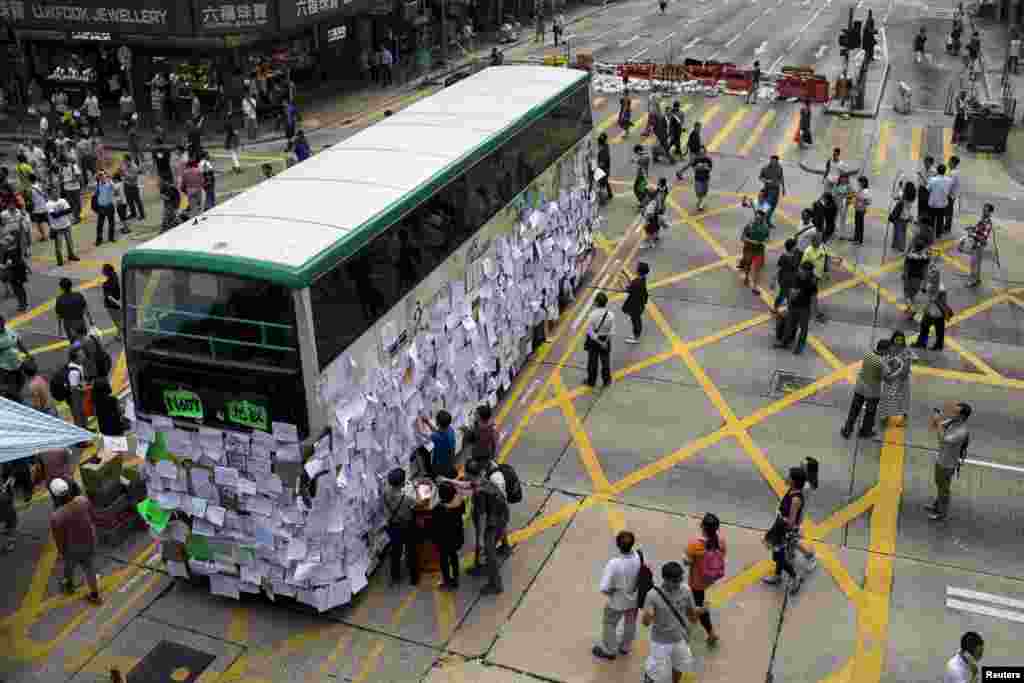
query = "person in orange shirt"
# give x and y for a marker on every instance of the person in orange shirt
(709, 540)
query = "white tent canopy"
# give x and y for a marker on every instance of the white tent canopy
(25, 431)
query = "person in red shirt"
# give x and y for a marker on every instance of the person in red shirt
(709, 539)
(74, 534)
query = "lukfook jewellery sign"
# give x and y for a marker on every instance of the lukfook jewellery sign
(145, 16)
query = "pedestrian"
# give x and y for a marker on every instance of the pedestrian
(702, 166)
(868, 390)
(192, 187)
(868, 40)
(805, 125)
(74, 534)
(483, 436)
(497, 58)
(662, 5)
(302, 150)
(1013, 54)
(963, 666)
(977, 241)
(825, 211)
(8, 512)
(664, 145)
(950, 426)
(449, 533)
(38, 210)
(491, 517)
(839, 182)
(15, 269)
(291, 119)
(162, 163)
(604, 164)
(598, 342)
(71, 190)
(861, 202)
(539, 33)
(399, 502)
(16, 227)
(653, 111)
(58, 213)
(936, 310)
(694, 143)
(121, 201)
(636, 300)
(557, 26)
(676, 120)
(194, 136)
(919, 42)
(619, 584)
(112, 298)
(231, 144)
(93, 113)
(924, 174)
(895, 399)
(915, 268)
(973, 53)
(705, 558)
(954, 193)
(268, 170)
(103, 206)
(387, 62)
(960, 117)
(171, 197)
(37, 390)
(654, 213)
(667, 610)
(798, 311)
(755, 82)
(249, 113)
(209, 173)
(900, 215)
(12, 377)
(774, 186)
(72, 311)
(85, 148)
(786, 275)
(442, 438)
(754, 237)
(109, 419)
(939, 186)
(641, 190)
(625, 114)
(56, 463)
(784, 534)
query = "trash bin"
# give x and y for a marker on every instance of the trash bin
(988, 131)
(903, 98)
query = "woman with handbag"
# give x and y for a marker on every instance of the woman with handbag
(784, 533)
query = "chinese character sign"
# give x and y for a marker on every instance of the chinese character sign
(14, 10)
(217, 16)
(128, 16)
(295, 13)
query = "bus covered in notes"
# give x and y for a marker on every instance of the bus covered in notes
(403, 270)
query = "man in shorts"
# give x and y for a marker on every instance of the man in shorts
(664, 611)
(701, 175)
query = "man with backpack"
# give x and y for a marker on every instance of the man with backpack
(667, 610)
(96, 361)
(949, 425)
(619, 583)
(491, 514)
(68, 384)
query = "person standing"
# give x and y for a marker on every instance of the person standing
(924, 174)
(868, 390)
(8, 511)
(619, 584)
(636, 300)
(11, 375)
(774, 186)
(788, 270)
(895, 401)
(954, 193)
(74, 534)
(915, 268)
(491, 516)
(399, 502)
(625, 114)
(112, 298)
(16, 270)
(755, 82)
(58, 213)
(192, 186)
(694, 143)
(604, 164)
(805, 125)
(449, 533)
(798, 311)
(249, 112)
(963, 666)
(978, 237)
(919, 42)
(825, 211)
(103, 205)
(72, 311)
(703, 554)
(598, 342)
(702, 166)
(666, 611)
(71, 188)
(442, 439)
(938, 199)
(861, 202)
(291, 120)
(387, 62)
(676, 120)
(936, 310)
(93, 113)
(38, 214)
(209, 173)
(900, 216)
(557, 26)
(754, 237)
(784, 534)
(121, 201)
(950, 427)
(132, 173)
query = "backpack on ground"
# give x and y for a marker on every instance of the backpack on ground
(60, 384)
(513, 487)
(712, 564)
(644, 581)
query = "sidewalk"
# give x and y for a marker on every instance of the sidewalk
(995, 39)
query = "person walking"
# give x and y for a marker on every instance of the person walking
(924, 174)
(919, 42)
(642, 161)
(16, 270)
(954, 193)
(72, 311)
(667, 610)
(38, 214)
(900, 215)
(112, 298)
(755, 82)
(192, 187)
(798, 312)
(557, 27)
(977, 239)
(74, 534)
(209, 173)
(449, 533)
(676, 122)
(232, 145)
(302, 149)
(71, 188)
(619, 584)
(963, 667)
(825, 211)
(754, 237)
(694, 143)
(11, 376)
(399, 502)
(705, 558)
(249, 112)
(121, 201)
(491, 516)
(861, 202)
(604, 164)
(868, 390)
(939, 186)
(895, 397)
(950, 427)
(103, 205)
(784, 534)
(702, 165)
(387, 63)
(58, 214)
(915, 268)
(93, 113)
(786, 275)
(774, 186)
(636, 300)
(625, 114)
(936, 310)
(598, 342)
(806, 140)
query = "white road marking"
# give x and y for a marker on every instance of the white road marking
(761, 48)
(668, 37)
(734, 39)
(984, 597)
(691, 44)
(985, 611)
(628, 41)
(994, 465)
(821, 52)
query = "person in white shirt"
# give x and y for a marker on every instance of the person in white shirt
(92, 110)
(618, 582)
(1013, 56)
(954, 191)
(598, 344)
(58, 212)
(963, 666)
(938, 199)
(387, 61)
(76, 380)
(249, 112)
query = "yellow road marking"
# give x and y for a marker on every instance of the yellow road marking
(57, 346)
(584, 448)
(787, 142)
(972, 358)
(238, 627)
(699, 228)
(766, 120)
(673, 279)
(373, 657)
(727, 129)
(947, 145)
(839, 519)
(444, 612)
(119, 375)
(48, 305)
(882, 148)
(916, 143)
(722, 593)
(616, 520)
(607, 123)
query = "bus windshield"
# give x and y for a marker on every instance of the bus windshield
(193, 315)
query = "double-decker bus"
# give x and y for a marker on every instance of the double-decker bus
(233, 318)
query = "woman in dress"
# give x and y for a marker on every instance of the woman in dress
(896, 380)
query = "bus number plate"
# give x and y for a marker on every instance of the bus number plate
(183, 403)
(248, 414)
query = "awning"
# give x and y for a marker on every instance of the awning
(25, 431)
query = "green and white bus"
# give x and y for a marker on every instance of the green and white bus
(233, 318)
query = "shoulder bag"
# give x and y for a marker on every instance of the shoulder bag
(682, 622)
(591, 344)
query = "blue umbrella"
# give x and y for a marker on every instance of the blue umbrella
(25, 431)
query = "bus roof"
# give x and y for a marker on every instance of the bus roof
(293, 227)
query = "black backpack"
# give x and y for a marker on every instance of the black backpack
(513, 487)
(644, 581)
(60, 386)
(104, 363)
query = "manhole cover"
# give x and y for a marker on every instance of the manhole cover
(786, 382)
(171, 663)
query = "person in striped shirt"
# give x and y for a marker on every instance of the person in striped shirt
(980, 235)
(868, 391)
